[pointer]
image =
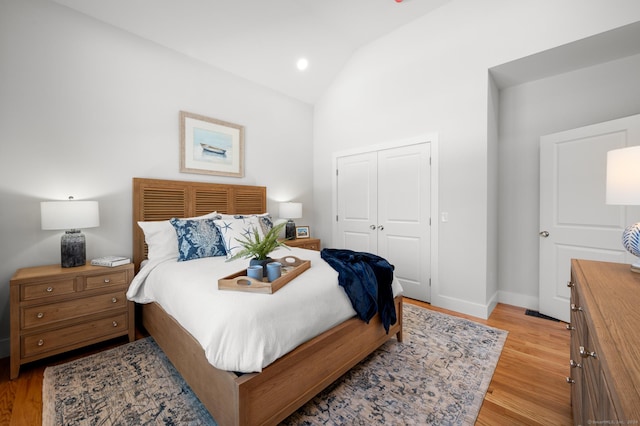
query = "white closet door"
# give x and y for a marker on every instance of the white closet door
(357, 197)
(404, 203)
(383, 206)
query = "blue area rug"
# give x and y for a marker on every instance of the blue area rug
(438, 375)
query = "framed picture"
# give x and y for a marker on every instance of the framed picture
(211, 147)
(302, 232)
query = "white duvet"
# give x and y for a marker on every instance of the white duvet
(241, 331)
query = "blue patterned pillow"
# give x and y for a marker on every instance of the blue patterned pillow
(198, 239)
(266, 223)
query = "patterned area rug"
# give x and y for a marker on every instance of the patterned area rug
(133, 384)
(438, 375)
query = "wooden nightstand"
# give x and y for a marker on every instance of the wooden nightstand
(55, 309)
(307, 243)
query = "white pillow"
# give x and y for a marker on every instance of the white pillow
(161, 237)
(233, 230)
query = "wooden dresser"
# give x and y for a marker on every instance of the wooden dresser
(55, 309)
(605, 343)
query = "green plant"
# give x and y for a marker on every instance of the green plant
(259, 248)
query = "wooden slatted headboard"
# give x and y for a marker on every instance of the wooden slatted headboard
(157, 199)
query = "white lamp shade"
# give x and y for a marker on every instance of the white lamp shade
(623, 176)
(69, 214)
(291, 210)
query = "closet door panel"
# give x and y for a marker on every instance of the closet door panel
(408, 264)
(404, 202)
(357, 198)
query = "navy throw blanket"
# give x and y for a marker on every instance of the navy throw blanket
(366, 278)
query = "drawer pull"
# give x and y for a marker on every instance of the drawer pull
(570, 284)
(570, 380)
(114, 300)
(40, 342)
(115, 323)
(570, 327)
(49, 289)
(574, 364)
(584, 353)
(576, 308)
(107, 280)
(40, 315)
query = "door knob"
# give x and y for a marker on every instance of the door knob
(372, 227)
(380, 227)
(544, 234)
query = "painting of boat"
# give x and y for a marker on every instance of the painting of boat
(213, 149)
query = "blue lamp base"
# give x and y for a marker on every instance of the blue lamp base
(631, 241)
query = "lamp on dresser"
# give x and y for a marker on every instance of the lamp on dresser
(71, 216)
(623, 188)
(290, 211)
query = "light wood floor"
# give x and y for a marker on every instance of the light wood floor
(528, 386)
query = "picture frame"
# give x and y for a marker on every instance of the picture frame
(302, 232)
(210, 146)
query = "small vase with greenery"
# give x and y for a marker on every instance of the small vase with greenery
(258, 248)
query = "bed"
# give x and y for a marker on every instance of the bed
(286, 384)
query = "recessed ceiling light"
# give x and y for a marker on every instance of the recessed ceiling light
(302, 64)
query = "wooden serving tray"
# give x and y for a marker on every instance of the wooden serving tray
(239, 281)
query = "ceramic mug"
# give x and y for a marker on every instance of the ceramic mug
(274, 270)
(255, 272)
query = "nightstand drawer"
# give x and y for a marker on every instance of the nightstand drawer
(110, 279)
(36, 316)
(47, 289)
(311, 246)
(305, 243)
(78, 334)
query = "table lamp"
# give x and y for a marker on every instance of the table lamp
(71, 216)
(290, 211)
(623, 188)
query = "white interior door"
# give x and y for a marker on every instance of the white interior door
(575, 221)
(404, 203)
(357, 202)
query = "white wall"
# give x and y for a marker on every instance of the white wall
(431, 76)
(85, 107)
(528, 111)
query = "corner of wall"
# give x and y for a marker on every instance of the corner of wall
(518, 299)
(4, 347)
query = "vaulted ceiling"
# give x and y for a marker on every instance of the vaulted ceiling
(261, 40)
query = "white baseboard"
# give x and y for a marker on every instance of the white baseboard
(483, 311)
(462, 306)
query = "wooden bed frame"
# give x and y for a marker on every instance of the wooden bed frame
(264, 398)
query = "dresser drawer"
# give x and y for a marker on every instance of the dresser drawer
(36, 316)
(49, 341)
(47, 289)
(605, 390)
(109, 279)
